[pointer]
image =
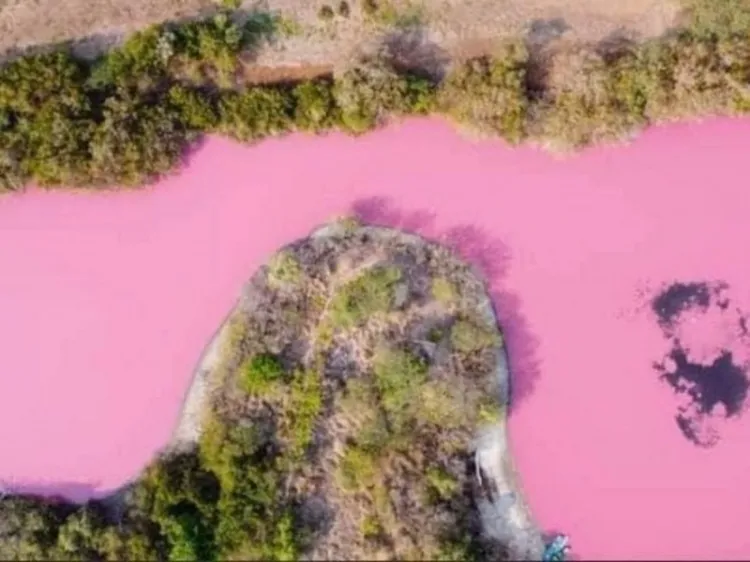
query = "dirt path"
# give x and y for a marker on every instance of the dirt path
(328, 31)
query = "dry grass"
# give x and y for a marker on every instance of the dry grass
(451, 26)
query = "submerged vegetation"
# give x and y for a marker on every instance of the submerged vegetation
(128, 117)
(357, 446)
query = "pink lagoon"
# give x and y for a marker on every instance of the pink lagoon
(622, 435)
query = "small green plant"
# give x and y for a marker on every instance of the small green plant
(399, 376)
(371, 527)
(441, 484)
(389, 14)
(357, 469)
(305, 403)
(469, 336)
(444, 291)
(288, 27)
(261, 372)
(231, 4)
(490, 412)
(284, 268)
(370, 293)
(326, 13)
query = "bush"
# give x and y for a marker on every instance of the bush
(197, 111)
(255, 113)
(468, 336)
(314, 106)
(444, 291)
(490, 94)
(284, 268)
(261, 372)
(367, 94)
(399, 377)
(370, 293)
(141, 62)
(441, 484)
(136, 141)
(357, 469)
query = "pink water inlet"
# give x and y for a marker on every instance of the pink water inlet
(108, 299)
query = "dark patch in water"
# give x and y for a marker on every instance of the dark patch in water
(722, 383)
(679, 297)
(707, 386)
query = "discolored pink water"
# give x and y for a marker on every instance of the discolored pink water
(106, 301)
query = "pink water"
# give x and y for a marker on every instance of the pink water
(107, 300)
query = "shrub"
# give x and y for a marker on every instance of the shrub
(305, 403)
(56, 146)
(284, 268)
(357, 469)
(261, 372)
(216, 42)
(468, 336)
(444, 291)
(34, 82)
(441, 484)
(135, 141)
(314, 106)
(399, 376)
(441, 406)
(197, 111)
(489, 94)
(371, 527)
(370, 293)
(255, 113)
(141, 62)
(370, 92)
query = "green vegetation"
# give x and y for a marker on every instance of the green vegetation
(399, 376)
(305, 403)
(261, 372)
(219, 502)
(468, 336)
(441, 485)
(284, 268)
(370, 293)
(490, 94)
(389, 14)
(128, 117)
(720, 17)
(444, 291)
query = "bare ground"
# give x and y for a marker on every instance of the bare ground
(451, 27)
